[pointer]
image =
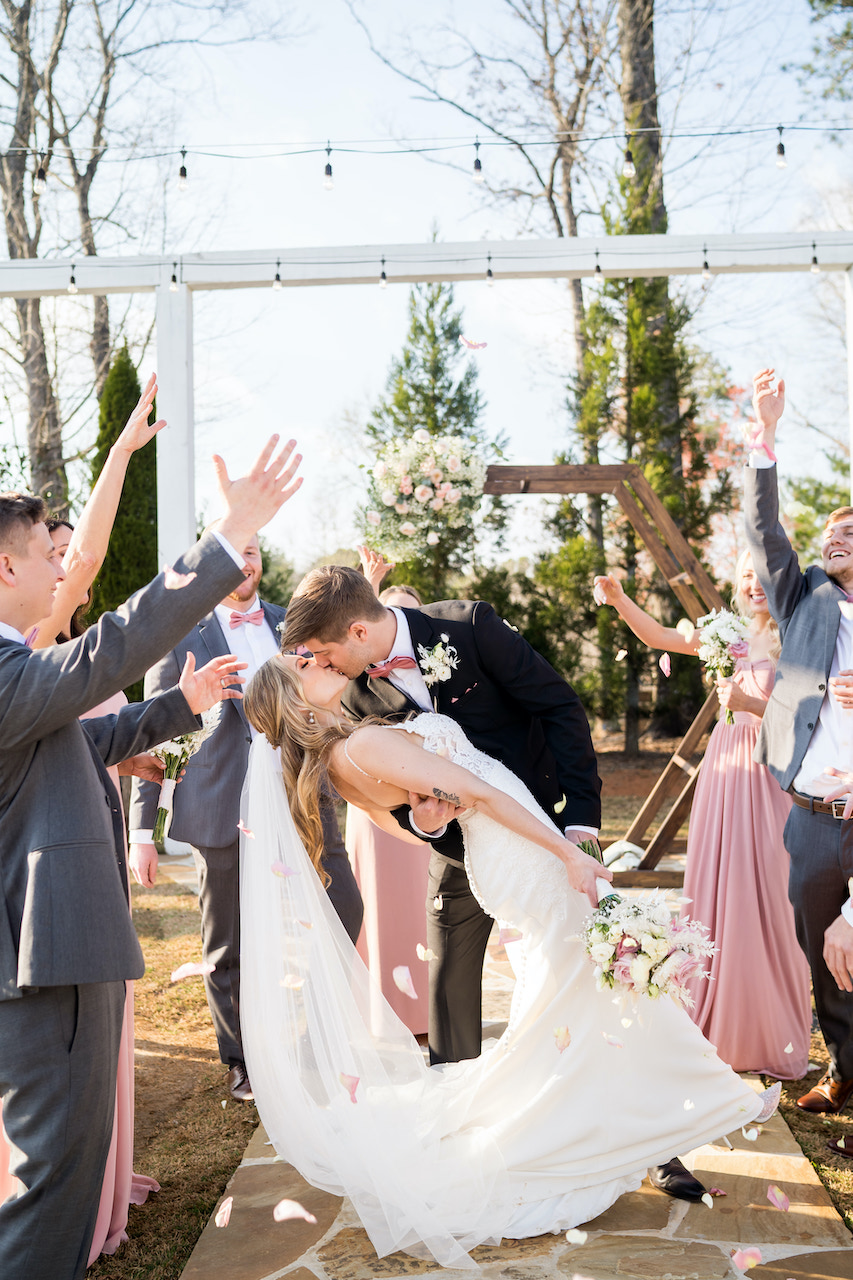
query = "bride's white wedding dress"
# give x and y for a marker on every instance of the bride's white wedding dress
(527, 1139)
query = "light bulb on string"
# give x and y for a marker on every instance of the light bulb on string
(383, 279)
(815, 267)
(72, 283)
(328, 181)
(276, 284)
(478, 168)
(781, 162)
(40, 180)
(173, 283)
(182, 172)
(706, 270)
(597, 271)
(629, 169)
(490, 279)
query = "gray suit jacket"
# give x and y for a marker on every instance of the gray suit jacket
(805, 605)
(63, 889)
(207, 800)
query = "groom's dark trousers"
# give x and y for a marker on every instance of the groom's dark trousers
(67, 944)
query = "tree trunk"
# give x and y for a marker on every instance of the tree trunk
(638, 90)
(44, 430)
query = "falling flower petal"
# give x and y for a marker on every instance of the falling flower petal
(789, 1048)
(627, 1022)
(285, 1210)
(665, 664)
(613, 1040)
(717, 1191)
(562, 1038)
(598, 594)
(350, 1083)
(279, 869)
(403, 981)
(561, 804)
(223, 1213)
(685, 628)
(224, 1103)
(306, 924)
(424, 953)
(746, 1258)
(777, 1198)
(173, 581)
(241, 826)
(192, 969)
(706, 1199)
(689, 1104)
(472, 346)
(509, 935)
(752, 1134)
(576, 1237)
(292, 981)
(841, 1144)
(621, 655)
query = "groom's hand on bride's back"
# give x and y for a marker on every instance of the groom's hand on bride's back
(252, 500)
(430, 814)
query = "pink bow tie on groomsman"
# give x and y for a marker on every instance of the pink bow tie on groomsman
(256, 617)
(393, 664)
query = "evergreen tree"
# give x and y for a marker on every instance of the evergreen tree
(425, 390)
(131, 559)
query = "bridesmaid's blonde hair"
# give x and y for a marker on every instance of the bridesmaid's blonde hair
(740, 600)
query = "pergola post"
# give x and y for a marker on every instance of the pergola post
(176, 515)
(848, 299)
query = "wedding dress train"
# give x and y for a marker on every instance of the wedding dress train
(527, 1139)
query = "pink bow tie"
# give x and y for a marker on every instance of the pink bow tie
(393, 664)
(256, 617)
(31, 637)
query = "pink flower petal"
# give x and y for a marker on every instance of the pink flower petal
(286, 1210)
(562, 1038)
(665, 664)
(306, 924)
(472, 346)
(279, 869)
(173, 581)
(350, 1083)
(223, 1213)
(746, 1258)
(613, 1040)
(598, 594)
(192, 969)
(241, 826)
(403, 981)
(777, 1198)
(292, 981)
(509, 935)
(424, 953)
(716, 1191)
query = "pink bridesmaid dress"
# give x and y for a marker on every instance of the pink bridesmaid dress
(756, 1007)
(392, 876)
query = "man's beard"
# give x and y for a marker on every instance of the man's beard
(246, 590)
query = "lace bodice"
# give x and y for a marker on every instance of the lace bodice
(444, 737)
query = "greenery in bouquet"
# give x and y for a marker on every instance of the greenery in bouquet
(723, 639)
(175, 753)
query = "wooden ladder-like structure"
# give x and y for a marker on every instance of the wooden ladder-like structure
(687, 578)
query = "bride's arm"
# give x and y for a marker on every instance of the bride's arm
(401, 762)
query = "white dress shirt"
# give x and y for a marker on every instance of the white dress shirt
(8, 632)
(250, 644)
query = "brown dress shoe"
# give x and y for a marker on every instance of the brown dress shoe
(827, 1095)
(238, 1084)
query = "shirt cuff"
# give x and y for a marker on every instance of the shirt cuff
(226, 546)
(141, 835)
(759, 460)
(427, 835)
(577, 826)
(847, 911)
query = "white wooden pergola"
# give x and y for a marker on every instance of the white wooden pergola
(616, 256)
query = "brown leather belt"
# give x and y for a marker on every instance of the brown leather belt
(834, 810)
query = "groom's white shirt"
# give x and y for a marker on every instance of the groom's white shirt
(410, 681)
(8, 632)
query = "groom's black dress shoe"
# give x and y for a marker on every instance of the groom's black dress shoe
(238, 1084)
(674, 1180)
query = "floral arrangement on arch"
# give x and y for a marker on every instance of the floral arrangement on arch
(419, 486)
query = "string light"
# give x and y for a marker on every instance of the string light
(781, 162)
(490, 279)
(276, 284)
(173, 283)
(706, 270)
(597, 264)
(478, 168)
(629, 169)
(40, 180)
(328, 181)
(182, 172)
(383, 279)
(72, 283)
(815, 267)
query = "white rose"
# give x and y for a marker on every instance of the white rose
(408, 530)
(602, 952)
(437, 504)
(423, 493)
(421, 436)
(389, 497)
(432, 539)
(453, 495)
(655, 948)
(380, 470)
(374, 518)
(453, 464)
(641, 967)
(402, 508)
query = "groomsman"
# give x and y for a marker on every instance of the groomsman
(207, 807)
(67, 944)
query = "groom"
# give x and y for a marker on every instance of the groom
(459, 658)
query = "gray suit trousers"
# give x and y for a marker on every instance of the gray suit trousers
(58, 1062)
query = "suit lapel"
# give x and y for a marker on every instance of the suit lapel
(423, 632)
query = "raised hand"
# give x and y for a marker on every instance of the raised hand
(607, 589)
(768, 405)
(210, 684)
(252, 500)
(374, 566)
(138, 430)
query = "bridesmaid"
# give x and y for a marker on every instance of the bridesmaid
(756, 1007)
(392, 874)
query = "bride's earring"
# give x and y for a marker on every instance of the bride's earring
(311, 719)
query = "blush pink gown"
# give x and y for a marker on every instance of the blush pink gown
(756, 1004)
(392, 876)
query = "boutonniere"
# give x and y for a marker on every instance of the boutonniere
(439, 662)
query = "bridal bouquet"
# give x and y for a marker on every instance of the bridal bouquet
(175, 753)
(723, 637)
(636, 945)
(417, 485)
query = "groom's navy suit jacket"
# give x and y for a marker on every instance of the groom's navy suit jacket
(511, 703)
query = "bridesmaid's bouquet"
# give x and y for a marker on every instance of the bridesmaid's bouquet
(723, 636)
(638, 947)
(175, 753)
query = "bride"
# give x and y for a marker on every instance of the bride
(550, 1126)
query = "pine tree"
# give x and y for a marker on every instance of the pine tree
(425, 390)
(131, 560)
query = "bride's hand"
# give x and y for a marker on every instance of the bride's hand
(583, 871)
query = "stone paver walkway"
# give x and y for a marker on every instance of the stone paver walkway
(644, 1236)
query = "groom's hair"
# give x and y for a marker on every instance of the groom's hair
(326, 603)
(19, 513)
(840, 513)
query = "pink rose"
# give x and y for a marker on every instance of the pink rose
(380, 470)
(454, 464)
(437, 504)
(374, 518)
(453, 495)
(427, 466)
(435, 477)
(406, 485)
(739, 649)
(402, 508)
(408, 530)
(423, 493)
(622, 971)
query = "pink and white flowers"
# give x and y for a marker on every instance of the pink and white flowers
(723, 639)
